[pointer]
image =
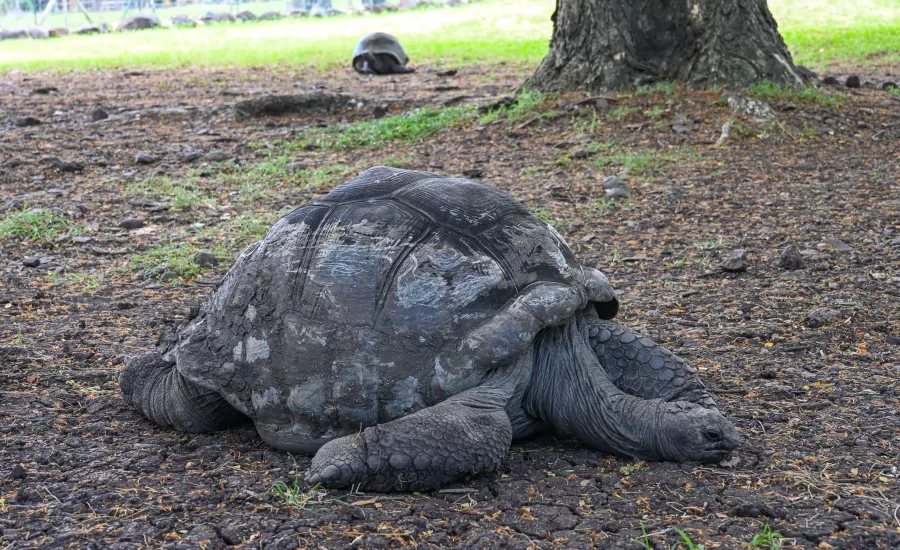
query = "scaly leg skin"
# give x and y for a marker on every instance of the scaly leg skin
(467, 434)
(156, 388)
(641, 367)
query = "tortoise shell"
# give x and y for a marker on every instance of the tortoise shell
(381, 299)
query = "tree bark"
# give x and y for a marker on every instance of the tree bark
(601, 45)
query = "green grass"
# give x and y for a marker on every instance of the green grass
(408, 127)
(178, 194)
(818, 32)
(767, 539)
(767, 90)
(174, 257)
(451, 36)
(528, 104)
(36, 224)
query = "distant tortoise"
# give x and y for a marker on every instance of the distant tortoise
(406, 328)
(380, 53)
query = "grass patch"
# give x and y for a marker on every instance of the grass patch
(179, 194)
(527, 105)
(767, 539)
(766, 90)
(817, 32)
(173, 260)
(408, 127)
(620, 113)
(35, 224)
(667, 88)
(400, 161)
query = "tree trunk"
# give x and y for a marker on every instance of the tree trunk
(612, 44)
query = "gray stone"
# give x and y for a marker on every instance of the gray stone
(736, 262)
(852, 81)
(138, 22)
(13, 162)
(820, 316)
(205, 258)
(790, 258)
(217, 156)
(144, 158)
(38, 33)
(749, 106)
(168, 276)
(296, 166)
(246, 15)
(580, 153)
(618, 192)
(836, 244)
(131, 223)
(99, 114)
(32, 261)
(613, 182)
(26, 121)
(17, 472)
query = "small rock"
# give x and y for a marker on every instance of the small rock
(580, 154)
(474, 173)
(33, 261)
(131, 223)
(246, 15)
(893, 340)
(18, 472)
(99, 114)
(806, 72)
(820, 316)
(138, 22)
(736, 262)
(26, 121)
(296, 166)
(790, 258)
(750, 107)
(144, 158)
(217, 156)
(836, 244)
(613, 182)
(168, 276)
(205, 258)
(681, 129)
(830, 81)
(618, 192)
(852, 81)
(379, 111)
(62, 165)
(13, 162)
(192, 156)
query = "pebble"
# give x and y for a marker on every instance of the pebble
(296, 166)
(835, 244)
(33, 261)
(580, 153)
(893, 340)
(144, 158)
(99, 114)
(830, 81)
(613, 182)
(736, 262)
(618, 193)
(191, 157)
(17, 472)
(852, 81)
(474, 173)
(790, 258)
(26, 121)
(205, 258)
(217, 156)
(131, 223)
(820, 316)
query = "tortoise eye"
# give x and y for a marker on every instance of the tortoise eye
(712, 435)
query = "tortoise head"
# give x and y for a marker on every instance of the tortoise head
(691, 433)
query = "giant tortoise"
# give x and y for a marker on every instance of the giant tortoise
(406, 328)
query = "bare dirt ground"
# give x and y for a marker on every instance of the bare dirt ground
(817, 403)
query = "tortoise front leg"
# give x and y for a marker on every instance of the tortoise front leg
(468, 433)
(641, 367)
(154, 386)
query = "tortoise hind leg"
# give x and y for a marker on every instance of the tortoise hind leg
(468, 433)
(641, 367)
(154, 386)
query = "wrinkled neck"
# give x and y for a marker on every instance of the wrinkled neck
(571, 392)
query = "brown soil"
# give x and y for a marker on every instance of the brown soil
(818, 405)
